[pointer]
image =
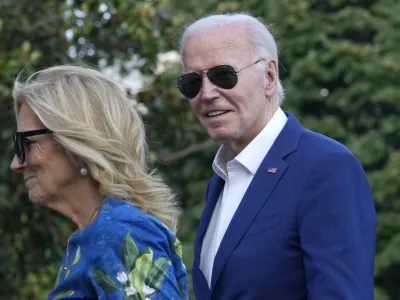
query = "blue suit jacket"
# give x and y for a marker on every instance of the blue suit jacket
(306, 231)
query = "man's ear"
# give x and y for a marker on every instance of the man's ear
(271, 78)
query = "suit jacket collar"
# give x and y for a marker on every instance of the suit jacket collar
(253, 154)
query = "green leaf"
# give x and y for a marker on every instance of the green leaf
(144, 262)
(178, 247)
(129, 252)
(77, 256)
(63, 294)
(142, 267)
(134, 279)
(105, 281)
(158, 273)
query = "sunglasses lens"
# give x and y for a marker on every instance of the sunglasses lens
(190, 84)
(223, 76)
(19, 149)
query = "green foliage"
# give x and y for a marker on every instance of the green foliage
(339, 63)
(31, 37)
(342, 79)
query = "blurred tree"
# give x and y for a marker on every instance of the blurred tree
(37, 34)
(31, 37)
(342, 76)
(338, 63)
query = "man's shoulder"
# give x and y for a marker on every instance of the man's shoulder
(320, 145)
(323, 152)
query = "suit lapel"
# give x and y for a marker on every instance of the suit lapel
(264, 182)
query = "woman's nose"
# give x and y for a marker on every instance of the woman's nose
(16, 166)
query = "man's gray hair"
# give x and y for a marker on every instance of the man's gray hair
(260, 35)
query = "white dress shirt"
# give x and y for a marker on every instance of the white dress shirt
(237, 174)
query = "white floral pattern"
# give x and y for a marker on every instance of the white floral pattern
(122, 277)
(147, 290)
(130, 290)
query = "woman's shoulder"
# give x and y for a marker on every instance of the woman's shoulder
(125, 246)
(124, 212)
(115, 208)
(118, 218)
(123, 230)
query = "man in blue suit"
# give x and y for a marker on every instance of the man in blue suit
(289, 212)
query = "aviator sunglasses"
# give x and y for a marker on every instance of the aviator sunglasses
(223, 76)
(20, 140)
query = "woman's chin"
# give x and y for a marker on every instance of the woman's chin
(35, 197)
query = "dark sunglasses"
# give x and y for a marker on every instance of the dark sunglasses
(223, 76)
(20, 139)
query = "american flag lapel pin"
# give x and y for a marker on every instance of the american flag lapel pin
(272, 170)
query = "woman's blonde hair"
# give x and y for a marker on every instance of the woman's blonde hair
(94, 120)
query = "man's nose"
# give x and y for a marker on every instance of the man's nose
(209, 91)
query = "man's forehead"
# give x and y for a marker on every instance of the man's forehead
(219, 37)
(205, 52)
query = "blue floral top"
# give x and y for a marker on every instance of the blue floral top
(123, 254)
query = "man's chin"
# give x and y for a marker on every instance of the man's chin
(219, 134)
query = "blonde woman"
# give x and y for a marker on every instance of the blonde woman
(81, 149)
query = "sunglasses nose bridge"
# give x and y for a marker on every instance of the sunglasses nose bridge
(208, 87)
